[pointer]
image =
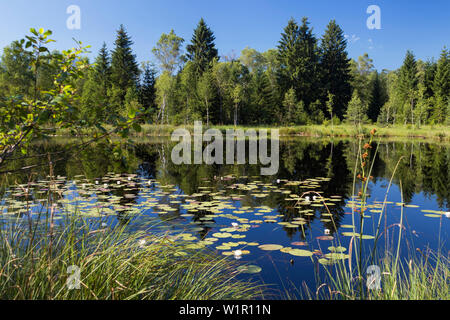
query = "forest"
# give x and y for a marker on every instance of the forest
(305, 79)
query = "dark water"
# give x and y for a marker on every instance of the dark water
(141, 177)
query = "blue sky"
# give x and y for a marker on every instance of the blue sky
(421, 26)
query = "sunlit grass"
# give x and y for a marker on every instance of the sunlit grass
(342, 130)
(114, 264)
(380, 274)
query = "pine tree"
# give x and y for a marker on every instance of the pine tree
(261, 98)
(428, 78)
(202, 50)
(288, 52)
(376, 99)
(103, 71)
(95, 93)
(308, 64)
(335, 67)
(124, 68)
(147, 92)
(441, 87)
(408, 85)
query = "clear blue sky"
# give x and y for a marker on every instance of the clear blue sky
(422, 26)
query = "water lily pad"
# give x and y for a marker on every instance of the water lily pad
(337, 249)
(221, 235)
(301, 253)
(326, 262)
(299, 243)
(336, 256)
(251, 269)
(270, 247)
(325, 238)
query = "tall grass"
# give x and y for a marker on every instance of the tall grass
(380, 274)
(113, 264)
(441, 133)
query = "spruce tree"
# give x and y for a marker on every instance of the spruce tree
(103, 70)
(408, 85)
(124, 68)
(335, 68)
(147, 92)
(441, 87)
(288, 52)
(202, 50)
(261, 98)
(376, 99)
(308, 60)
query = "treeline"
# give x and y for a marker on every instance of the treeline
(305, 80)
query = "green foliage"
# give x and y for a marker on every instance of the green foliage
(254, 89)
(124, 70)
(335, 67)
(202, 50)
(147, 92)
(59, 97)
(168, 52)
(356, 111)
(23, 117)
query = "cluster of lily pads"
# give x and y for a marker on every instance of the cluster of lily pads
(214, 216)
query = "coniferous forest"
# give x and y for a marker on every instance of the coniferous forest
(305, 79)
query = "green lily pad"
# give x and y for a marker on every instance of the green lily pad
(221, 235)
(251, 269)
(270, 247)
(337, 249)
(300, 253)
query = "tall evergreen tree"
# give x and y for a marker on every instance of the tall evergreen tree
(262, 99)
(408, 85)
(202, 49)
(376, 99)
(428, 78)
(288, 52)
(147, 92)
(95, 93)
(308, 64)
(335, 67)
(103, 70)
(441, 87)
(124, 68)
(298, 56)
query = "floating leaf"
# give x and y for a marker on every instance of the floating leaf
(337, 249)
(270, 247)
(326, 262)
(221, 235)
(251, 269)
(301, 253)
(325, 238)
(299, 243)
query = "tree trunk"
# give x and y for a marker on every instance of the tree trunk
(207, 112)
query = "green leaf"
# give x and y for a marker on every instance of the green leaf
(137, 127)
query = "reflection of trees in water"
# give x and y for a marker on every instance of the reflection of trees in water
(425, 168)
(304, 160)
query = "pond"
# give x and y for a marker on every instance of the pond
(267, 222)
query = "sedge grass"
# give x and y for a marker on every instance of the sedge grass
(422, 276)
(113, 264)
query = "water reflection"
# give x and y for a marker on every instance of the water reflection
(425, 169)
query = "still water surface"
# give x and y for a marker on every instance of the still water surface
(232, 207)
